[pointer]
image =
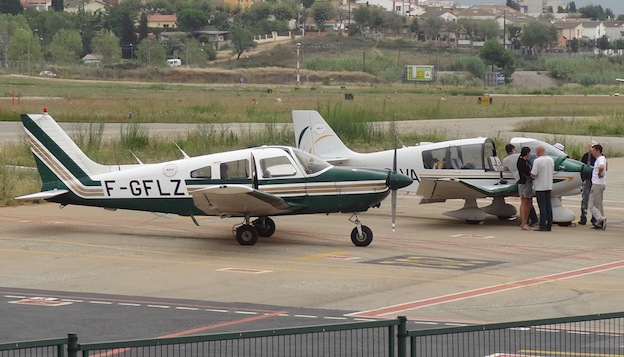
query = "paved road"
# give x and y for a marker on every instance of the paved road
(434, 270)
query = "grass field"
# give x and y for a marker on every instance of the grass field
(147, 102)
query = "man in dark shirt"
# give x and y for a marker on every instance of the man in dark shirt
(587, 159)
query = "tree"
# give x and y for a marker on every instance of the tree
(108, 47)
(242, 40)
(574, 45)
(432, 25)
(128, 37)
(514, 33)
(66, 46)
(192, 20)
(13, 7)
(321, 12)
(363, 18)
(143, 30)
(594, 12)
(514, 5)
(58, 5)
(151, 53)
(194, 54)
(572, 6)
(494, 54)
(23, 46)
(414, 28)
(538, 36)
(603, 43)
(307, 3)
(470, 27)
(488, 29)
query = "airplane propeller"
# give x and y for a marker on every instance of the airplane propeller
(394, 192)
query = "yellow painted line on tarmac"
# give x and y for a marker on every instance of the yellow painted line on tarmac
(322, 255)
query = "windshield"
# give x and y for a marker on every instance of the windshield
(533, 144)
(310, 163)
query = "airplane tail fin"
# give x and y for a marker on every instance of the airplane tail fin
(62, 165)
(314, 135)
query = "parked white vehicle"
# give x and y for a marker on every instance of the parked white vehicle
(174, 62)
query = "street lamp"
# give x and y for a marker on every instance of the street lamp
(298, 77)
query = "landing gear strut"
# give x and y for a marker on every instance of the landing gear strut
(361, 235)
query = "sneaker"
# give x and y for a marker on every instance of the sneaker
(583, 222)
(603, 224)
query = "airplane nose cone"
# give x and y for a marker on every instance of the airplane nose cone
(586, 172)
(397, 181)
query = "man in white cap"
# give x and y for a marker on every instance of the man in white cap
(589, 160)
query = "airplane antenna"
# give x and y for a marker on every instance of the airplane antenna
(136, 158)
(183, 153)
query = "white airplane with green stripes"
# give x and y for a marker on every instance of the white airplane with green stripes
(250, 183)
(465, 169)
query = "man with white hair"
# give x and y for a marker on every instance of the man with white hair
(542, 174)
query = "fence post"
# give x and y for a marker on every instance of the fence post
(402, 337)
(72, 345)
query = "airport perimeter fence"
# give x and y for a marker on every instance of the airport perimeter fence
(589, 335)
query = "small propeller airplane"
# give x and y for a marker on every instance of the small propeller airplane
(457, 169)
(257, 182)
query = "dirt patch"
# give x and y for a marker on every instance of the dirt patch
(533, 80)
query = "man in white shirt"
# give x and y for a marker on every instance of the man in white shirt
(599, 180)
(542, 174)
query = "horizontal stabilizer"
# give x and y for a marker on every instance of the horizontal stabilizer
(42, 195)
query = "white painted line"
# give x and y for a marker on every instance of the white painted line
(334, 318)
(159, 306)
(246, 312)
(307, 316)
(101, 302)
(128, 304)
(187, 308)
(216, 310)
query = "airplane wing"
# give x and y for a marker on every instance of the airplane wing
(42, 195)
(439, 190)
(235, 200)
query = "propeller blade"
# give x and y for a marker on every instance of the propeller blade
(394, 198)
(394, 192)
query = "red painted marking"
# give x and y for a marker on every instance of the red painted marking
(487, 290)
(195, 331)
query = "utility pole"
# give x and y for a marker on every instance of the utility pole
(298, 77)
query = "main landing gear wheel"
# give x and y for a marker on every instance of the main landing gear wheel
(246, 234)
(364, 239)
(265, 226)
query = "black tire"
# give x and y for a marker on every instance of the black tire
(246, 235)
(265, 229)
(365, 239)
(473, 221)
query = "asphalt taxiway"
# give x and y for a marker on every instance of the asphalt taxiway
(93, 271)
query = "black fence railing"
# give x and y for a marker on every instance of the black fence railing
(581, 336)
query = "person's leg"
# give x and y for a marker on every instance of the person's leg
(591, 204)
(549, 210)
(585, 199)
(542, 207)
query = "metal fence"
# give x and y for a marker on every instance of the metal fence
(581, 336)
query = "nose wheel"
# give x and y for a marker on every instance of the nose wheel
(361, 235)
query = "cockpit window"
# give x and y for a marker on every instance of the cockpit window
(204, 172)
(310, 163)
(278, 166)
